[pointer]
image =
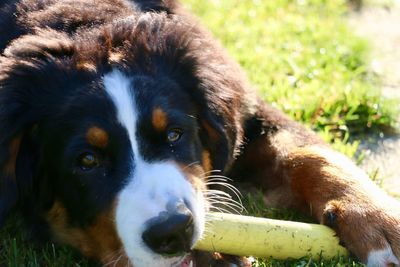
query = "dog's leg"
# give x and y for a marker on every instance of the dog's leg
(297, 170)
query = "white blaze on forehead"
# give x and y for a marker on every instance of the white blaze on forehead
(150, 185)
(118, 86)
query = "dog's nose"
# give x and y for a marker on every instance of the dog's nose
(171, 232)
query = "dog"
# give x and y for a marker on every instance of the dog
(119, 117)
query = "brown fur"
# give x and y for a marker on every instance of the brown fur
(195, 174)
(98, 240)
(159, 119)
(210, 131)
(305, 174)
(338, 188)
(9, 167)
(207, 165)
(97, 137)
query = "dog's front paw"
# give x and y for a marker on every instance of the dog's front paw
(370, 231)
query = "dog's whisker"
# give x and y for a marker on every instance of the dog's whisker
(206, 176)
(224, 196)
(219, 209)
(216, 176)
(222, 179)
(232, 188)
(112, 255)
(115, 258)
(238, 196)
(118, 260)
(219, 180)
(220, 176)
(221, 196)
(227, 209)
(216, 192)
(190, 165)
(227, 203)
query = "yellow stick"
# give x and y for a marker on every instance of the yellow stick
(259, 237)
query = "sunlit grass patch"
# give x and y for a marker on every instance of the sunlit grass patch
(304, 59)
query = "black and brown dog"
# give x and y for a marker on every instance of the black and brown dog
(115, 116)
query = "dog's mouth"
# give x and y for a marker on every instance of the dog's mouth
(187, 261)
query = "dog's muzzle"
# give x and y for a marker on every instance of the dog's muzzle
(171, 232)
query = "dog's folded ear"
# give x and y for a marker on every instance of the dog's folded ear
(13, 115)
(216, 140)
(8, 184)
(17, 156)
(23, 71)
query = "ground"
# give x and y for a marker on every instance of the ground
(380, 24)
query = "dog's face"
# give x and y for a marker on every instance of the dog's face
(130, 146)
(135, 149)
(110, 144)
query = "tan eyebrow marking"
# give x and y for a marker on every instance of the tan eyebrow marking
(97, 137)
(159, 119)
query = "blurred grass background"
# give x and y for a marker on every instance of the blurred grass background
(304, 59)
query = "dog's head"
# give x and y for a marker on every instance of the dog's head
(108, 137)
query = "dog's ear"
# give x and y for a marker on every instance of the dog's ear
(220, 88)
(12, 120)
(14, 114)
(216, 139)
(18, 154)
(8, 184)
(22, 74)
(217, 96)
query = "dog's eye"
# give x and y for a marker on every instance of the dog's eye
(174, 135)
(87, 161)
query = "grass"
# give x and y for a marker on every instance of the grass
(16, 250)
(302, 57)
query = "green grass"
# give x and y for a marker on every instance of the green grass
(302, 57)
(16, 250)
